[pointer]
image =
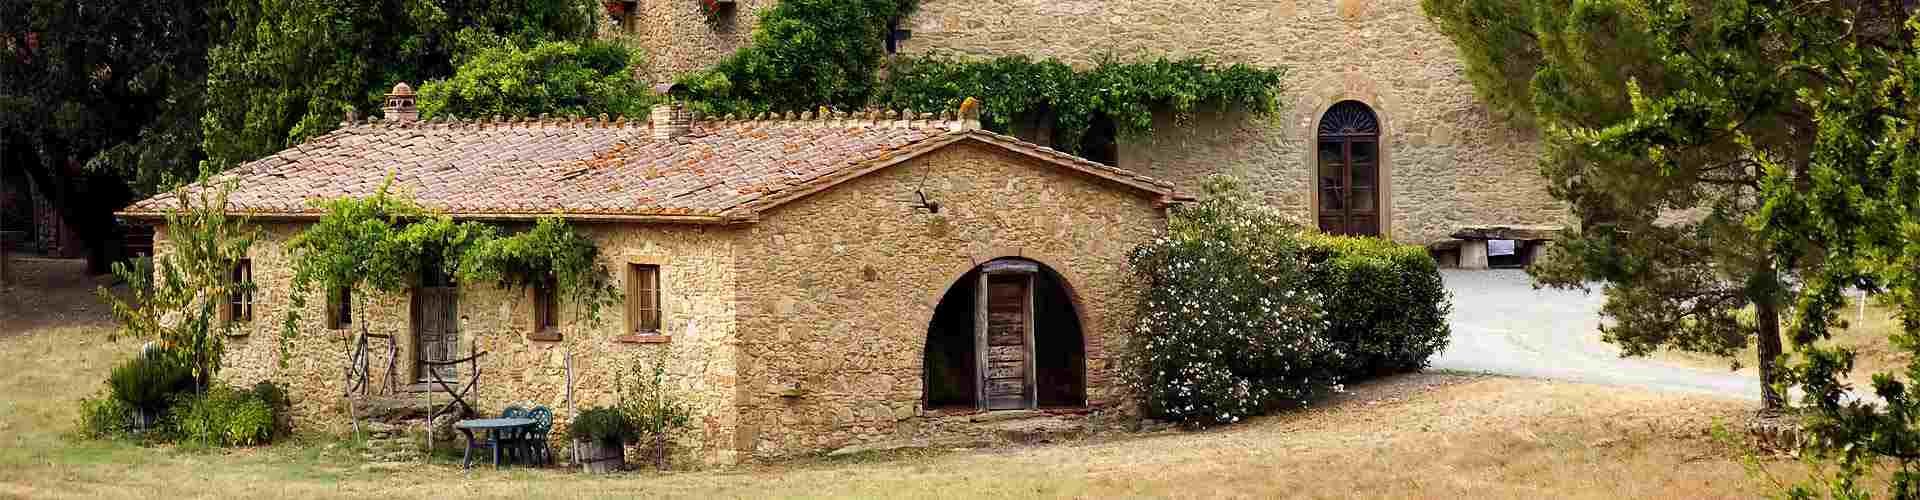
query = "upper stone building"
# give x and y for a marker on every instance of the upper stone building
(1381, 131)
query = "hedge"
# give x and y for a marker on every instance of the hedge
(1385, 304)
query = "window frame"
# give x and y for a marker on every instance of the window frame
(637, 322)
(240, 303)
(340, 308)
(544, 323)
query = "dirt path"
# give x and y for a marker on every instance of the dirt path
(49, 293)
(1501, 325)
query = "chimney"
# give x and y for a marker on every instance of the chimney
(670, 118)
(400, 104)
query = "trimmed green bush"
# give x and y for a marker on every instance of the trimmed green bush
(148, 381)
(1386, 307)
(1228, 326)
(224, 416)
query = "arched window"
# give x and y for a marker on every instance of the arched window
(1348, 170)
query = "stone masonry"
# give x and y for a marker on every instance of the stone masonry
(1448, 162)
(832, 354)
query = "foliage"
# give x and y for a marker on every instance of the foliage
(105, 418)
(1790, 124)
(560, 77)
(607, 425)
(655, 408)
(377, 243)
(1228, 325)
(380, 243)
(1657, 123)
(177, 306)
(807, 54)
(224, 416)
(1386, 306)
(551, 254)
(149, 382)
(804, 53)
(281, 72)
(112, 85)
(1128, 93)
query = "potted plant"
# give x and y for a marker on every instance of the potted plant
(601, 434)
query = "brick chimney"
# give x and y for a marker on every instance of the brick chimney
(670, 118)
(400, 104)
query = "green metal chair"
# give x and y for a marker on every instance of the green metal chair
(511, 440)
(535, 438)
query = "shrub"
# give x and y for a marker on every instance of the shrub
(148, 381)
(224, 416)
(1228, 326)
(603, 425)
(1386, 307)
(106, 417)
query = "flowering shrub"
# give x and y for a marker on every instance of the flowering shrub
(1229, 326)
(1386, 306)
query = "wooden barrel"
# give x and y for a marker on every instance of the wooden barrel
(600, 457)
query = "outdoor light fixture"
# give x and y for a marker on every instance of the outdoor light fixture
(932, 207)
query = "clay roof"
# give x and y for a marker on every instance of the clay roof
(723, 171)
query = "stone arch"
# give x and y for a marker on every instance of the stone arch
(954, 373)
(1313, 105)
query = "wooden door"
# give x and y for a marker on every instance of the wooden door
(1347, 171)
(436, 327)
(1005, 334)
(1349, 187)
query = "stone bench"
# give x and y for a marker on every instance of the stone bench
(1467, 248)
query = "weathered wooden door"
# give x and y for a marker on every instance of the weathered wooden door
(436, 325)
(1004, 335)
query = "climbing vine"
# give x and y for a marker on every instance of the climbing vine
(1127, 93)
(830, 52)
(380, 243)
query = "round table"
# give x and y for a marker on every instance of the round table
(493, 426)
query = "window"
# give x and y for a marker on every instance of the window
(643, 299)
(340, 308)
(896, 36)
(240, 300)
(546, 309)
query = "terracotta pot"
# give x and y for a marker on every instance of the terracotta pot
(600, 457)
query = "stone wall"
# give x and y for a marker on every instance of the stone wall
(836, 290)
(678, 37)
(1449, 163)
(697, 283)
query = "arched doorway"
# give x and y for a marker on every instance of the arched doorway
(1005, 336)
(1348, 170)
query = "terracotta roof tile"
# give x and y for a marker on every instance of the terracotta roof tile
(723, 170)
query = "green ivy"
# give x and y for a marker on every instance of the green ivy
(379, 243)
(1127, 93)
(810, 53)
(551, 254)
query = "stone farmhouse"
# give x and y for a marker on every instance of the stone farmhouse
(821, 281)
(1382, 133)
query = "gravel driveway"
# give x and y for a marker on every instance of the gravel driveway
(1502, 325)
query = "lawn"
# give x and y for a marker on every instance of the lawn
(1420, 436)
(1869, 333)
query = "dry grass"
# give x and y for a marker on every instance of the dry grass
(1419, 436)
(1867, 333)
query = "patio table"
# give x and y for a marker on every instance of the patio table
(493, 426)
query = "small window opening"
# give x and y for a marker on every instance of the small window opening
(546, 308)
(896, 37)
(340, 308)
(643, 298)
(240, 300)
